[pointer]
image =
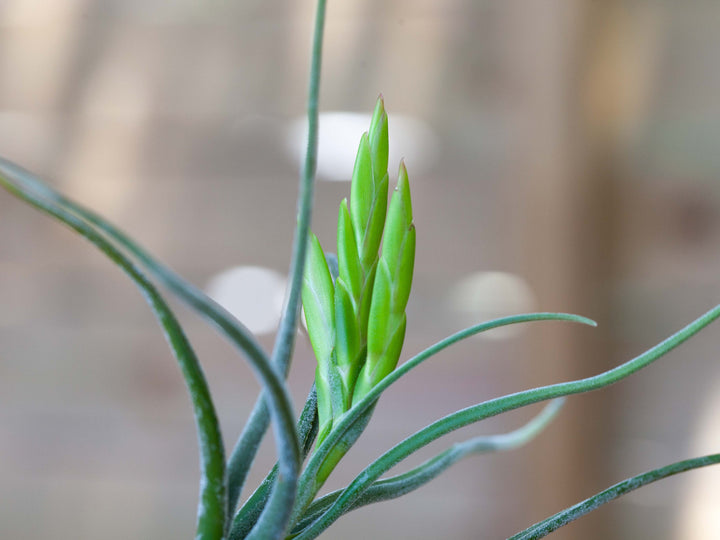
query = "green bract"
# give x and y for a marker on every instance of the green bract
(391, 290)
(318, 301)
(357, 325)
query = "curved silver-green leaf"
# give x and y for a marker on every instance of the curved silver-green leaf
(275, 517)
(241, 457)
(396, 486)
(212, 506)
(308, 485)
(487, 409)
(545, 527)
(307, 428)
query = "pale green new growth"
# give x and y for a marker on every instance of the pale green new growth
(393, 279)
(318, 300)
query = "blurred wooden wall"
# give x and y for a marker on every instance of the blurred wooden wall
(568, 237)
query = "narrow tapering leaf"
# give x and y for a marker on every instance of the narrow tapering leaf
(212, 506)
(307, 428)
(481, 411)
(275, 517)
(308, 487)
(545, 527)
(274, 403)
(396, 486)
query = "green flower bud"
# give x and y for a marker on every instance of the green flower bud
(357, 324)
(391, 289)
(347, 339)
(398, 249)
(318, 298)
(349, 266)
(378, 138)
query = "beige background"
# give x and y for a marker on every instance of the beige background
(570, 145)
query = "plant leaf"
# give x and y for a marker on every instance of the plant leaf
(307, 485)
(484, 410)
(545, 527)
(246, 447)
(307, 428)
(212, 507)
(275, 516)
(396, 486)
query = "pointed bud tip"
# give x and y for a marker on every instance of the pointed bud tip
(402, 174)
(379, 114)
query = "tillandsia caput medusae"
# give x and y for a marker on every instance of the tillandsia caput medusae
(356, 322)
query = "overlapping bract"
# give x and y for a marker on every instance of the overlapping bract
(357, 324)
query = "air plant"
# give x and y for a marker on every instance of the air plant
(354, 306)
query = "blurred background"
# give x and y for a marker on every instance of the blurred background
(563, 156)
